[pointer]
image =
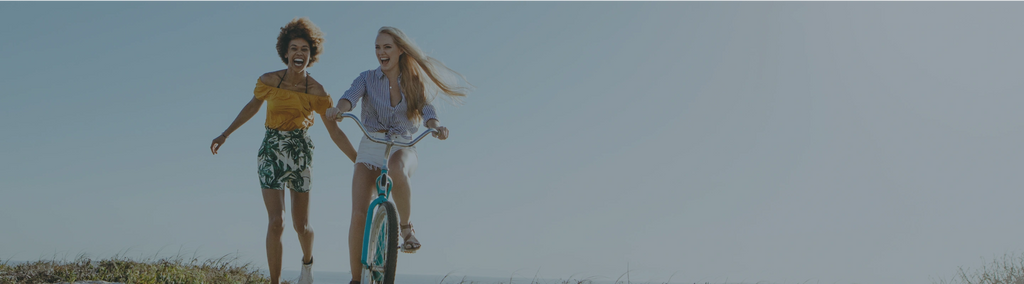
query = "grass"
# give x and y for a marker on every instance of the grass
(1008, 269)
(177, 269)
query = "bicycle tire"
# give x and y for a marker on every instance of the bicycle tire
(382, 252)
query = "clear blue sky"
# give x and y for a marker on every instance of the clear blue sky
(784, 142)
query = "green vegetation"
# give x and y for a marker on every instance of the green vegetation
(123, 270)
(1006, 270)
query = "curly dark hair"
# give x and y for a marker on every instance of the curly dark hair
(300, 28)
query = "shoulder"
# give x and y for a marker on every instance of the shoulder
(316, 89)
(271, 78)
(363, 78)
(367, 74)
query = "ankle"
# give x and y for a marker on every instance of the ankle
(307, 262)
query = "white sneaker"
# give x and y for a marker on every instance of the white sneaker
(306, 277)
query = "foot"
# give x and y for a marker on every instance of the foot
(410, 244)
(306, 277)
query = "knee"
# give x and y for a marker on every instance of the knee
(359, 213)
(303, 229)
(276, 225)
(359, 208)
(358, 216)
(397, 167)
(398, 176)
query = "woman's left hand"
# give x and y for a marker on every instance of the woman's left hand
(442, 132)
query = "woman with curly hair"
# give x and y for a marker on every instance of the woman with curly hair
(396, 98)
(285, 157)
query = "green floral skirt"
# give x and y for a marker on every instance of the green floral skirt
(286, 158)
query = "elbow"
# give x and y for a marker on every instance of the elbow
(253, 108)
(344, 105)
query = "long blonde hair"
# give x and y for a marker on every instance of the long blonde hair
(412, 64)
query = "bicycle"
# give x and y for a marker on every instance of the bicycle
(380, 238)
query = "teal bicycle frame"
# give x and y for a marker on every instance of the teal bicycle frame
(383, 182)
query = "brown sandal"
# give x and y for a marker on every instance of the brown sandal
(410, 244)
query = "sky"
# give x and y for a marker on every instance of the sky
(863, 142)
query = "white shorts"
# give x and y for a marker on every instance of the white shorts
(371, 154)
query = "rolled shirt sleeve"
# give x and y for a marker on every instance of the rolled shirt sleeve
(356, 91)
(429, 113)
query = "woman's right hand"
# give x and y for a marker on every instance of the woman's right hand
(217, 142)
(333, 113)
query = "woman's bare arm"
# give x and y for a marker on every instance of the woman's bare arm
(247, 113)
(339, 137)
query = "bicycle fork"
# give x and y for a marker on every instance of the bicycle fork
(383, 185)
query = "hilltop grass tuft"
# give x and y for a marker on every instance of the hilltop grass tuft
(121, 269)
(1008, 269)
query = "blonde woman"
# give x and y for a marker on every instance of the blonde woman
(285, 158)
(396, 99)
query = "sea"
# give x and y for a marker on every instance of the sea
(344, 277)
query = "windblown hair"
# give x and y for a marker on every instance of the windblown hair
(300, 28)
(414, 65)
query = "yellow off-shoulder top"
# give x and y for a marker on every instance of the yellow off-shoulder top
(290, 110)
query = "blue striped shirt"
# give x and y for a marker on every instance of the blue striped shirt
(377, 113)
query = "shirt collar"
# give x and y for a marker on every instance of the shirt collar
(380, 74)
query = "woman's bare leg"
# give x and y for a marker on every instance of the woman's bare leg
(300, 220)
(401, 190)
(362, 194)
(274, 200)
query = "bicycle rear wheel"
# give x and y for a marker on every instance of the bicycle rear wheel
(382, 252)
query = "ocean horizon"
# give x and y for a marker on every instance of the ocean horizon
(326, 277)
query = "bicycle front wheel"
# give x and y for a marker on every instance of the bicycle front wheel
(382, 248)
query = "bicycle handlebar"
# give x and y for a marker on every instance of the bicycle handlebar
(385, 142)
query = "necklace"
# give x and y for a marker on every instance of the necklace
(295, 85)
